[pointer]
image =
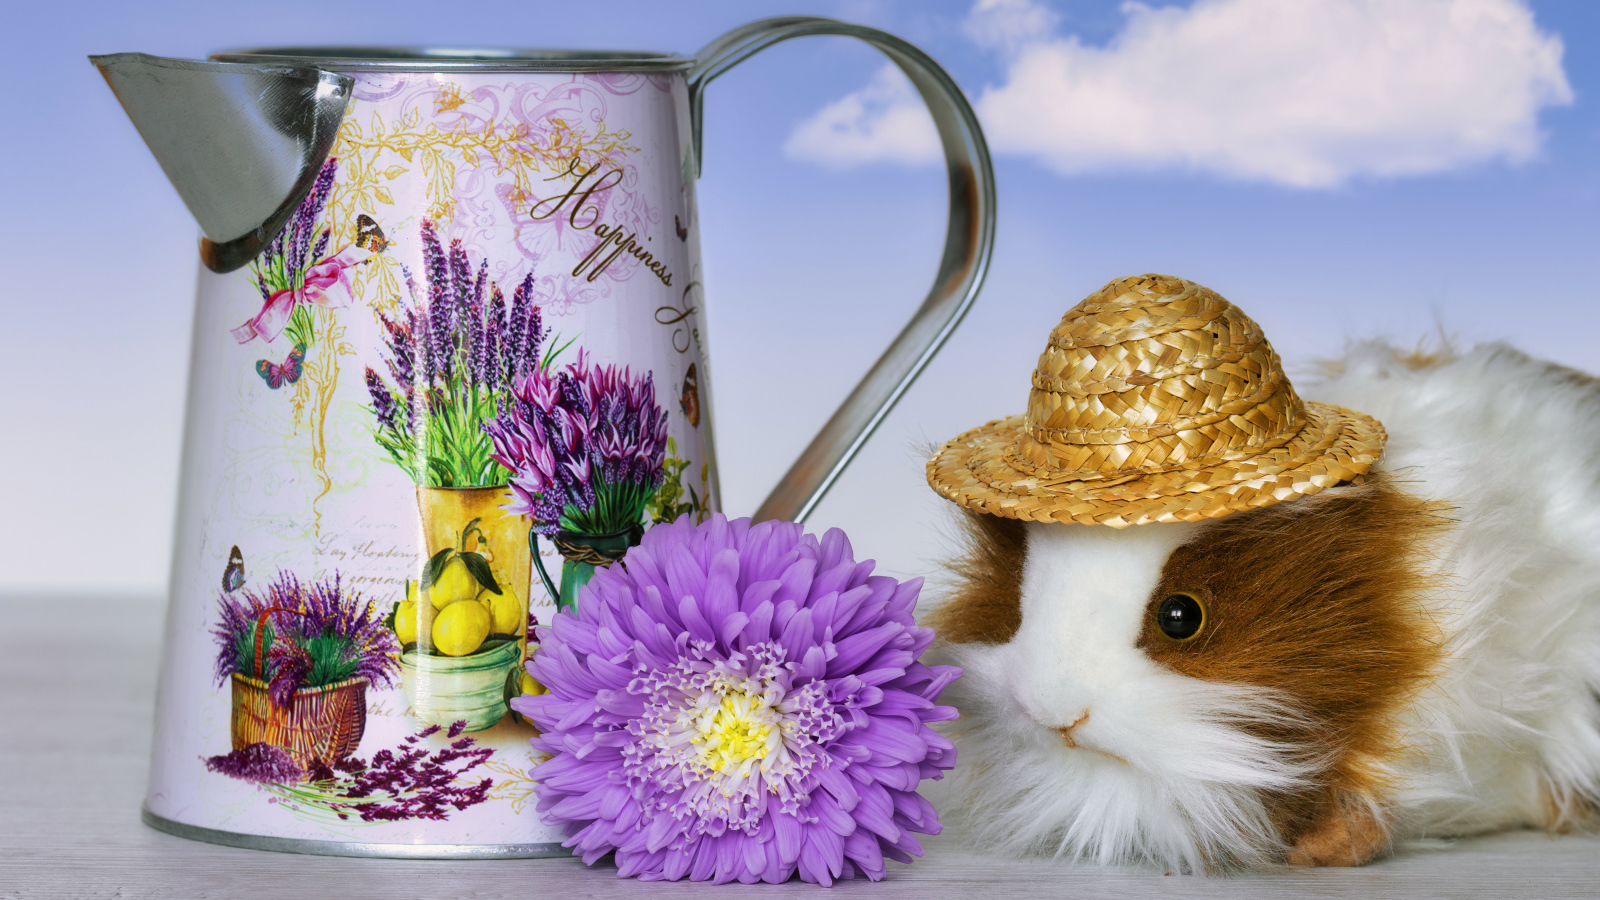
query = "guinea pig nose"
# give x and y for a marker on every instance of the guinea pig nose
(1066, 730)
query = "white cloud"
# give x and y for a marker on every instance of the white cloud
(1308, 93)
(1008, 24)
(883, 122)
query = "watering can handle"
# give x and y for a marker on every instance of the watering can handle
(969, 243)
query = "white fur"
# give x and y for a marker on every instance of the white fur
(1514, 445)
(1163, 774)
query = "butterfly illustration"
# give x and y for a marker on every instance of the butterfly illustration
(233, 575)
(689, 400)
(369, 235)
(277, 376)
(682, 229)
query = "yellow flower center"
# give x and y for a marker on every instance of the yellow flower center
(734, 732)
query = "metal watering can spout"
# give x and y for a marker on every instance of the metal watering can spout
(241, 143)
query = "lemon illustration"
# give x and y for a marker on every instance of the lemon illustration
(530, 686)
(411, 590)
(460, 628)
(405, 622)
(505, 609)
(454, 583)
(415, 622)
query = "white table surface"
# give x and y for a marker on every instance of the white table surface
(77, 684)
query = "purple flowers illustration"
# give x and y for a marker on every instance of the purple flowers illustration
(585, 447)
(313, 635)
(260, 763)
(740, 702)
(453, 356)
(407, 782)
(295, 271)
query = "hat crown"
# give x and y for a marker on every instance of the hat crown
(1153, 373)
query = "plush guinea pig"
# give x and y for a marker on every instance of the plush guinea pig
(1209, 625)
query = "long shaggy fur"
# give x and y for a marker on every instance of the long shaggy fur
(1324, 601)
(1414, 657)
(989, 570)
(1195, 801)
(1508, 734)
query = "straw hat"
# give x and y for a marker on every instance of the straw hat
(1156, 400)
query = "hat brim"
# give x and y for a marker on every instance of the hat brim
(1334, 445)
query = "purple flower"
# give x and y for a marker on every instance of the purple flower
(516, 327)
(313, 635)
(528, 360)
(260, 763)
(409, 782)
(423, 343)
(452, 354)
(304, 223)
(585, 447)
(525, 332)
(383, 404)
(441, 308)
(739, 702)
(298, 267)
(473, 313)
(495, 337)
(401, 359)
(404, 783)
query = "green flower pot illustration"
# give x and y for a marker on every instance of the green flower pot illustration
(443, 690)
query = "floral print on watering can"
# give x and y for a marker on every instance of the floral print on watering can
(460, 367)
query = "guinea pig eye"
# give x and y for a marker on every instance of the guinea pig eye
(1180, 616)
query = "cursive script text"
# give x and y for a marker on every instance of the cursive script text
(587, 217)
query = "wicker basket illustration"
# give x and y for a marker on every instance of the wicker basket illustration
(324, 723)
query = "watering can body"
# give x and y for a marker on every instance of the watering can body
(449, 335)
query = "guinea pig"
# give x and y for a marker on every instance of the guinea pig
(1216, 659)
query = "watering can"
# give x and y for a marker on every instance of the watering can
(449, 320)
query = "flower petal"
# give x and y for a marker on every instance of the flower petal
(715, 653)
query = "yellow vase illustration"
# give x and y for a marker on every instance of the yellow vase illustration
(471, 614)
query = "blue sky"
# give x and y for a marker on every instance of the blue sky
(1472, 206)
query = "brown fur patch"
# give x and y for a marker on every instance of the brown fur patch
(1348, 831)
(1430, 354)
(1321, 600)
(1566, 810)
(985, 606)
(1066, 730)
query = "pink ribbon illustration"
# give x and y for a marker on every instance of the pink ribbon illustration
(274, 315)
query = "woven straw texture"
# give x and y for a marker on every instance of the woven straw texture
(1155, 400)
(324, 723)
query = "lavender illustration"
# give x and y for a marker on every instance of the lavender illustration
(585, 447)
(303, 636)
(260, 763)
(453, 355)
(296, 271)
(407, 782)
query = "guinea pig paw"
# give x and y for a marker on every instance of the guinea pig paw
(1348, 833)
